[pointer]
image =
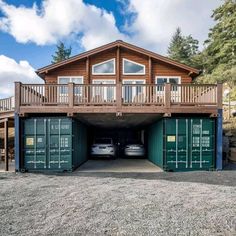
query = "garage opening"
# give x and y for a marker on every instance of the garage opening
(129, 143)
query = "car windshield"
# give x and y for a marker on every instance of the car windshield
(103, 141)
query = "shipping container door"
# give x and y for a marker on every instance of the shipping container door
(202, 146)
(35, 144)
(60, 144)
(176, 144)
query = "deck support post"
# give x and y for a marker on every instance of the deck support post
(219, 140)
(17, 142)
(219, 95)
(71, 94)
(17, 96)
(167, 95)
(6, 145)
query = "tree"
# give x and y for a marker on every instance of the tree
(184, 49)
(62, 53)
(221, 45)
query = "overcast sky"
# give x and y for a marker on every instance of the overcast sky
(29, 30)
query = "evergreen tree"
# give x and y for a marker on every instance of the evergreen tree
(184, 49)
(221, 45)
(62, 53)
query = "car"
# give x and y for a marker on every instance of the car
(134, 149)
(103, 147)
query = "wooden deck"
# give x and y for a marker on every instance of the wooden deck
(117, 98)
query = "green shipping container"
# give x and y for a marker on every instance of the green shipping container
(53, 144)
(180, 144)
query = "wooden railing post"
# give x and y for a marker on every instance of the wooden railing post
(219, 95)
(167, 98)
(17, 96)
(71, 94)
(118, 97)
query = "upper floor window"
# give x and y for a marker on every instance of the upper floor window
(133, 68)
(70, 79)
(161, 80)
(104, 68)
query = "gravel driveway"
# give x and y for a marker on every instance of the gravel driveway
(191, 203)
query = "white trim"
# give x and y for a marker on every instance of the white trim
(104, 90)
(114, 67)
(70, 77)
(168, 77)
(133, 88)
(123, 67)
(104, 80)
(134, 80)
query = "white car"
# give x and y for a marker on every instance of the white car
(134, 150)
(103, 147)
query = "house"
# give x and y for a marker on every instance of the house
(122, 90)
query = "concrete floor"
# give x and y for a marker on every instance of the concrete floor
(119, 165)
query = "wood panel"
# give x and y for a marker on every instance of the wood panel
(153, 68)
(164, 69)
(77, 68)
(136, 57)
(104, 56)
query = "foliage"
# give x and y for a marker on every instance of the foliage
(220, 61)
(184, 49)
(62, 53)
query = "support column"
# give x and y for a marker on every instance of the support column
(6, 148)
(219, 141)
(17, 142)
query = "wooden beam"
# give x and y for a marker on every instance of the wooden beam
(88, 70)
(167, 95)
(219, 95)
(71, 94)
(6, 145)
(118, 65)
(17, 96)
(150, 69)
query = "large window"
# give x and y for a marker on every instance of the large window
(133, 68)
(105, 91)
(104, 68)
(161, 80)
(63, 90)
(133, 91)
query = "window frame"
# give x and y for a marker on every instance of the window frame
(133, 88)
(123, 67)
(168, 78)
(71, 77)
(94, 92)
(114, 67)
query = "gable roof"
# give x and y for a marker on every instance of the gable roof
(119, 43)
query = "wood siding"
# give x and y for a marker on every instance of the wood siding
(153, 68)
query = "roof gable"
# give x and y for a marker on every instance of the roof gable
(42, 71)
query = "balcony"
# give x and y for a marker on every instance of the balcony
(117, 98)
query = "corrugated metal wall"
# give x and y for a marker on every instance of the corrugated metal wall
(53, 143)
(180, 144)
(155, 143)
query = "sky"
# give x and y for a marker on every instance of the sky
(30, 30)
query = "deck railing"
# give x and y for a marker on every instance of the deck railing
(7, 104)
(112, 94)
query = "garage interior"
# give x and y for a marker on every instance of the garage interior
(64, 144)
(125, 129)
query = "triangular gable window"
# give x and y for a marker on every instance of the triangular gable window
(133, 68)
(104, 68)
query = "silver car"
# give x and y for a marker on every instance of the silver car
(134, 150)
(103, 147)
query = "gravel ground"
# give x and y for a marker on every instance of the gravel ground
(191, 203)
